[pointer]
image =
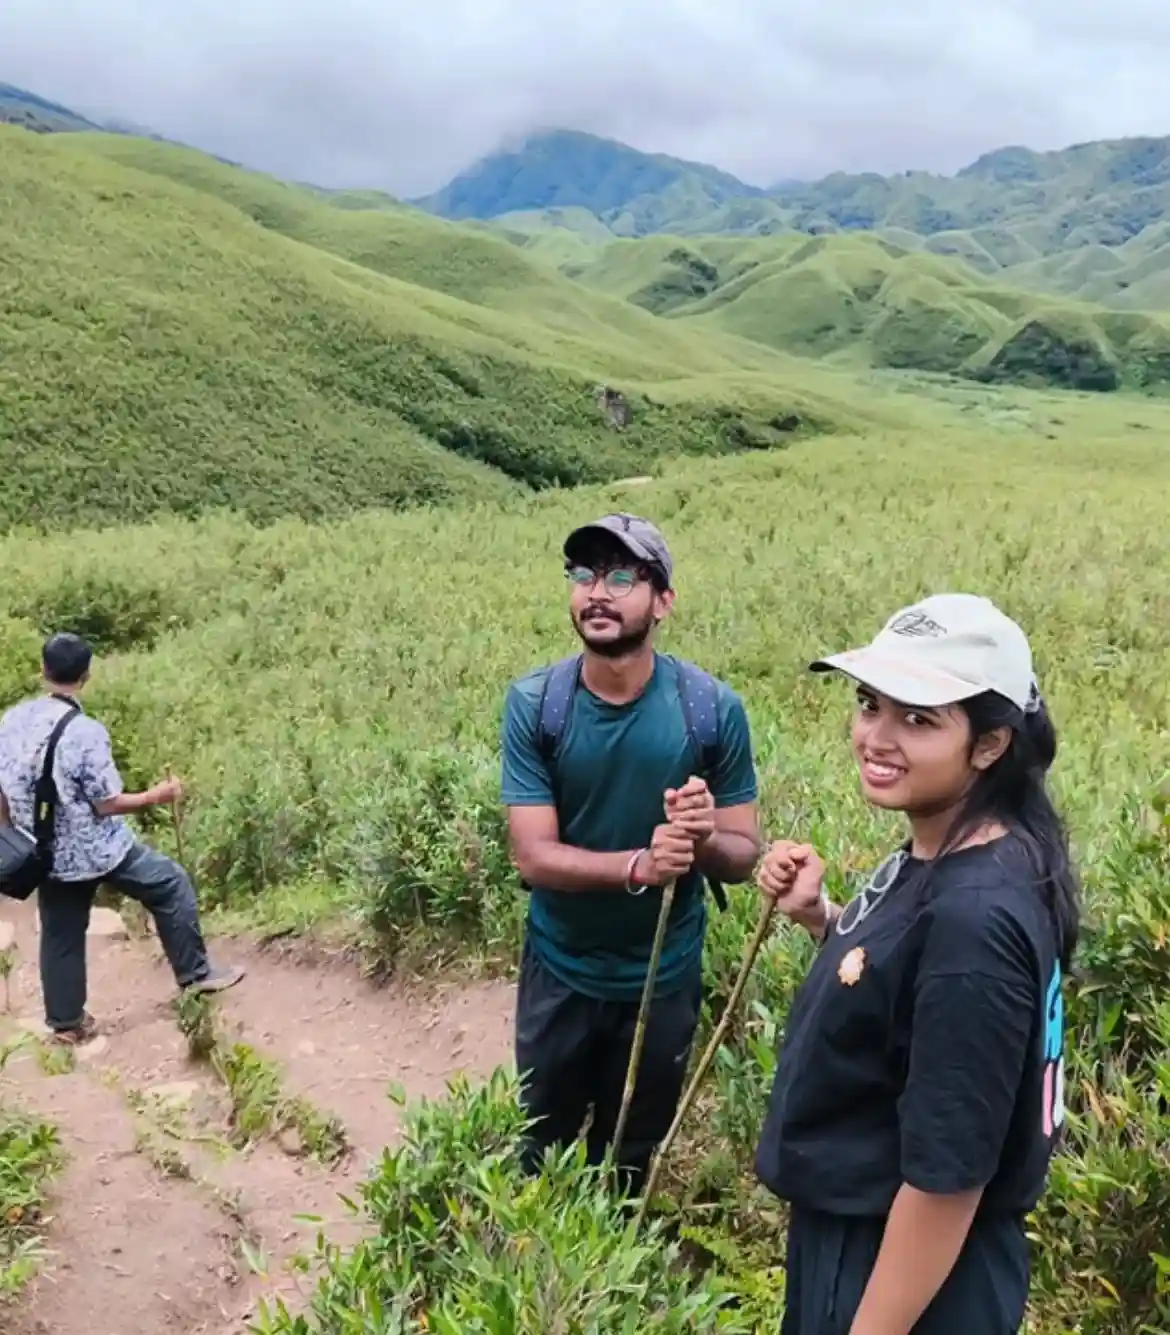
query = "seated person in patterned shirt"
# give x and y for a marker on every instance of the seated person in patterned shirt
(92, 843)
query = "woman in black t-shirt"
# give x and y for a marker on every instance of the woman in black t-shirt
(918, 1095)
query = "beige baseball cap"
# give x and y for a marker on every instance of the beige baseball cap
(947, 648)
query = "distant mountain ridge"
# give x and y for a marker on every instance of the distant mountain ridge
(1091, 221)
(1102, 193)
(30, 111)
(20, 107)
(1012, 205)
(567, 168)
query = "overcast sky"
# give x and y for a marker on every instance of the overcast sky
(344, 92)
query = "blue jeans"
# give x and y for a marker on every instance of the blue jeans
(159, 884)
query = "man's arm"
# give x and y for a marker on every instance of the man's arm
(100, 784)
(534, 838)
(124, 804)
(541, 859)
(730, 852)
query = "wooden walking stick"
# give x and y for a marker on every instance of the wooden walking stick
(643, 1012)
(177, 817)
(751, 950)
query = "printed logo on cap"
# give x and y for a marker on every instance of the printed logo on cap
(917, 625)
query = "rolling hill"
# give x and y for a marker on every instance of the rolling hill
(1089, 222)
(861, 300)
(20, 107)
(183, 336)
(1012, 203)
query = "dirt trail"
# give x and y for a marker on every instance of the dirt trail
(155, 1214)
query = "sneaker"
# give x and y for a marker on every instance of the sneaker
(217, 980)
(82, 1033)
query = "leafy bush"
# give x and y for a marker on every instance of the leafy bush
(464, 1244)
(30, 1154)
(20, 657)
(110, 614)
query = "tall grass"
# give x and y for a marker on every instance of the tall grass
(331, 696)
(30, 1155)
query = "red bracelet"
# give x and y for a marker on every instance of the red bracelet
(630, 874)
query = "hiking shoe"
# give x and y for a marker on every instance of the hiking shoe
(82, 1033)
(217, 980)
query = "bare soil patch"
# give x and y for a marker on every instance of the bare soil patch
(160, 1222)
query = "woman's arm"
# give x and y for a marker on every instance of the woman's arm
(923, 1238)
(977, 1001)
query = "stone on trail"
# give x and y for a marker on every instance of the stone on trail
(107, 924)
(7, 935)
(177, 1094)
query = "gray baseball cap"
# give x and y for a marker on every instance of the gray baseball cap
(638, 536)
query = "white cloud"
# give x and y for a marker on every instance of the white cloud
(346, 92)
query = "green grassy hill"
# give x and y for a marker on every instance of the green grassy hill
(184, 335)
(864, 300)
(1087, 222)
(336, 727)
(20, 107)
(1100, 193)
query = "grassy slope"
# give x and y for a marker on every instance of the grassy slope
(20, 107)
(1023, 216)
(869, 300)
(336, 722)
(164, 352)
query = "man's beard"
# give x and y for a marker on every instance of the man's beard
(628, 642)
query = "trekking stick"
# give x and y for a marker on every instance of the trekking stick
(643, 1012)
(751, 950)
(177, 817)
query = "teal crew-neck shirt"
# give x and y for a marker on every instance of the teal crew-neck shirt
(615, 764)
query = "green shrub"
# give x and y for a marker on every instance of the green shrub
(108, 612)
(30, 1154)
(20, 660)
(464, 1244)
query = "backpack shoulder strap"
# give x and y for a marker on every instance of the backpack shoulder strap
(556, 701)
(45, 795)
(699, 693)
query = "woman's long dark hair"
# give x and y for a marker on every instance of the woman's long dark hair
(1013, 792)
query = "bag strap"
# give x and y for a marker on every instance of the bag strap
(699, 693)
(45, 795)
(556, 703)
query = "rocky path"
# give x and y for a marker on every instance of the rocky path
(167, 1217)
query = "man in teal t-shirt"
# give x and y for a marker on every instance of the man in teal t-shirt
(596, 834)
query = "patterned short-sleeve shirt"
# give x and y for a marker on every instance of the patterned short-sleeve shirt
(86, 846)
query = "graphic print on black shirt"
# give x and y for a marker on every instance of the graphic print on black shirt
(925, 1045)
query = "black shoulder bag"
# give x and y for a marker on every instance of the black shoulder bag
(25, 863)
